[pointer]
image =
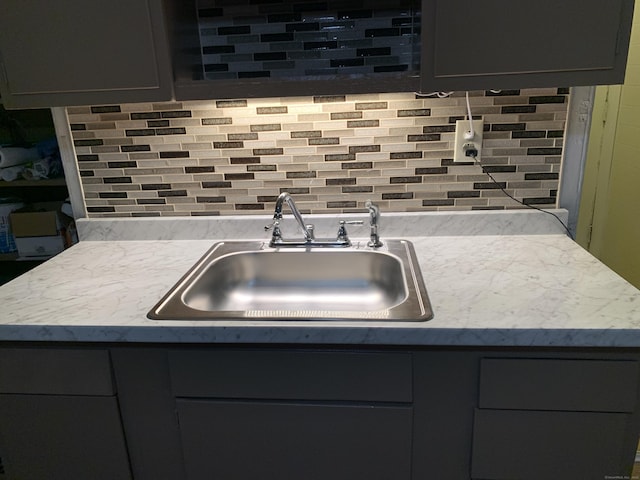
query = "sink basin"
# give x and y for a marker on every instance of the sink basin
(249, 280)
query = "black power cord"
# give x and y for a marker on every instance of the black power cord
(472, 152)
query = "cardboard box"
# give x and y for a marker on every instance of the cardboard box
(37, 233)
(34, 224)
(29, 247)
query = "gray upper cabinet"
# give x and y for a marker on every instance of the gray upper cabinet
(74, 52)
(507, 44)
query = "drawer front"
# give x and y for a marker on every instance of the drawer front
(510, 444)
(293, 374)
(558, 384)
(55, 371)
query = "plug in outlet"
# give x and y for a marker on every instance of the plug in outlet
(464, 143)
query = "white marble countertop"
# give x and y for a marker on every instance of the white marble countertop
(485, 290)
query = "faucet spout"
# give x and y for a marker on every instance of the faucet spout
(307, 230)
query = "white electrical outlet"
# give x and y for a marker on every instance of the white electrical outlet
(462, 143)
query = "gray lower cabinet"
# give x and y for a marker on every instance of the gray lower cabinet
(319, 413)
(59, 415)
(286, 415)
(73, 52)
(549, 418)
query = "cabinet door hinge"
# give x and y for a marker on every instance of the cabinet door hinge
(589, 233)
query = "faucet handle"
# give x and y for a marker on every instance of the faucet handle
(342, 230)
(310, 229)
(277, 234)
(275, 223)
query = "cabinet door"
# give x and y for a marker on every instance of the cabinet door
(494, 44)
(538, 445)
(62, 437)
(72, 52)
(292, 441)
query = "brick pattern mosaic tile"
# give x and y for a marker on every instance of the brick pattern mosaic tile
(296, 39)
(231, 157)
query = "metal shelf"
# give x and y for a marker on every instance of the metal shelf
(54, 182)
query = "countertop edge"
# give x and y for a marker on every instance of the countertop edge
(325, 335)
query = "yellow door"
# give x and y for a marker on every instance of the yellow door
(609, 218)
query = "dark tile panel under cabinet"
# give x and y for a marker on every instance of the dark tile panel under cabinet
(288, 37)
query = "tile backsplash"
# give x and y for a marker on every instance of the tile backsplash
(294, 39)
(333, 153)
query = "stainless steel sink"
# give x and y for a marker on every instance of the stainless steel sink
(249, 280)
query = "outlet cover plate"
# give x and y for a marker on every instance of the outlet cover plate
(462, 126)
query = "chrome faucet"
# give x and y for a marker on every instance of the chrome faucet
(307, 230)
(341, 240)
(374, 218)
